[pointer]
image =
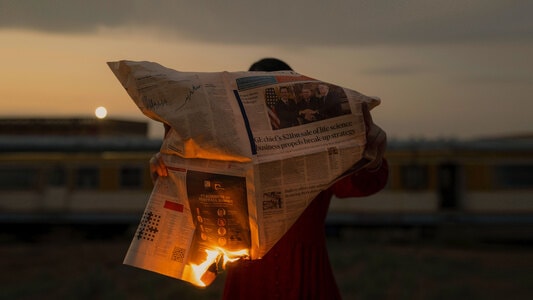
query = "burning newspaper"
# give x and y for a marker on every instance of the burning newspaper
(246, 153)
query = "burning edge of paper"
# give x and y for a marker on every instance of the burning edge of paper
(205, 273)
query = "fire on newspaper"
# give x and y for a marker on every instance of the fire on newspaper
(246, 153)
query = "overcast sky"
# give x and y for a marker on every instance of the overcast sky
(442, 68)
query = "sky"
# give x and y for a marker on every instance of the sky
(443, 69)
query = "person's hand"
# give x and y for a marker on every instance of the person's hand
(376, 141)
(309, 114)
(157, 167)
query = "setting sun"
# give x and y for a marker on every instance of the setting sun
(100, 112)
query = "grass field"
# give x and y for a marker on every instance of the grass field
(63, 265)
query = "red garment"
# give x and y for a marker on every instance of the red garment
(298, 266)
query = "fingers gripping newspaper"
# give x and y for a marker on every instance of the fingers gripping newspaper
(246, 153)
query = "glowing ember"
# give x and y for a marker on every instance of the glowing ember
(206, 272)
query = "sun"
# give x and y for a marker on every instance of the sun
(100, 112)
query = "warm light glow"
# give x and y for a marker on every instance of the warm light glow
(201, 269)
(100, 112)
(231, 256)
(214, 257)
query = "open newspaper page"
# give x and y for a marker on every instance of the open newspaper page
(246, 151)
(195, 215)
(297, 156)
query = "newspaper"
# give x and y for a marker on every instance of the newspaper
(246, 153)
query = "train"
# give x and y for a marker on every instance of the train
(74, 171)
(468, 187)
(84, 174)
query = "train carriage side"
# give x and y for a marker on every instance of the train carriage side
(74, 179)
(449, 182)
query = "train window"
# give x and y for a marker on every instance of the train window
(87, 178)
(131, 177)
(513, 176)
(16, 178)
(414, 177)
(57, 176)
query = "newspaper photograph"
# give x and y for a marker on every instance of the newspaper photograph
(246, 153)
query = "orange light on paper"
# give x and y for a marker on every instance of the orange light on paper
(206, 272)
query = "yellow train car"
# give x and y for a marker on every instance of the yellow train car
(58, 171)
(80, 181)
(431, 183)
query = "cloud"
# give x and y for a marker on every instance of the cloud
(279, 22)
(63, 16)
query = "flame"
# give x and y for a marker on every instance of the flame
(231, 256)
(204, 273)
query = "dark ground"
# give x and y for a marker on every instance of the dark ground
(63, 263)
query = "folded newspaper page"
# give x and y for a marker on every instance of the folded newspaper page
(246, 153)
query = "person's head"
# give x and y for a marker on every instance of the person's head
(270, 65)
(284, 93)
(323, 89)
(306, 93)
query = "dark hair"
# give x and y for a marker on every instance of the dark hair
(270, 65)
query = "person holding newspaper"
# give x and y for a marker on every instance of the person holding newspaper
(297, 266)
